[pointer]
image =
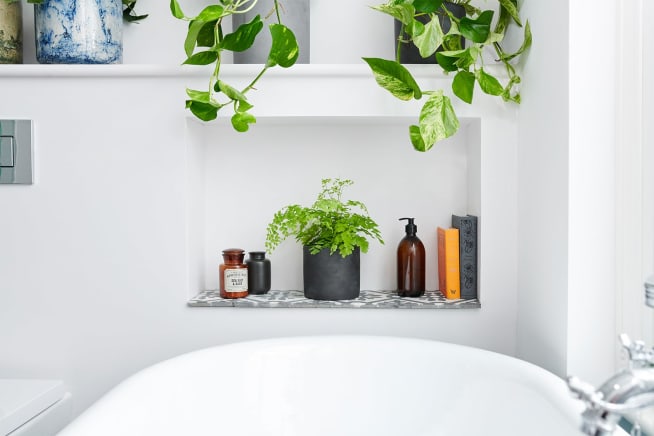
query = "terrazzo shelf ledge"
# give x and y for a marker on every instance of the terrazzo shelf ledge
(367, 300)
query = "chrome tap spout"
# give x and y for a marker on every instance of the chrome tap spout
(625, 393)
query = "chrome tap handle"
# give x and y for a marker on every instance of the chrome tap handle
(638, 354)
(584, 391)
(587, 393)
(643, 401)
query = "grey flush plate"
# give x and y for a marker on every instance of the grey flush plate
(16, 152)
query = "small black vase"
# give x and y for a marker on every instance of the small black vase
(258, 272)
(409, 53)
(330, 276)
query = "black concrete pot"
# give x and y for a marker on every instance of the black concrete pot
(330, 276)
(409, 53)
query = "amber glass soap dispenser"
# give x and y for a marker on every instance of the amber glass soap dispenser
(410, 263)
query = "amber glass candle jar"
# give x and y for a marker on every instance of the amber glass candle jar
(233, 274)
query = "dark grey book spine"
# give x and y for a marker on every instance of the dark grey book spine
(467, 226)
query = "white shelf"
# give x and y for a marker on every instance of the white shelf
(64, 71)
(146, 70)
(334, 71)
(305, 90)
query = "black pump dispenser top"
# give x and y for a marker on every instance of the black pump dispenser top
(410, 228)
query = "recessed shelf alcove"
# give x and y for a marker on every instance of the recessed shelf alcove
(237, 181)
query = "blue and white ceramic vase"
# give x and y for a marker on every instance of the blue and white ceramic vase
(79, 31)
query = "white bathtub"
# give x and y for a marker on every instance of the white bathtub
(335, 386)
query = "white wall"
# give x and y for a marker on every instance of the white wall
(566, 316)
(633, 214)
(591, 262)
(94, 264)
(543, 191)
(647, 166)
(648, 161)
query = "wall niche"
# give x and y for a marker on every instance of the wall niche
(237, 181)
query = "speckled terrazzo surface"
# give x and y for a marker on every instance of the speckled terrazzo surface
(367, 300)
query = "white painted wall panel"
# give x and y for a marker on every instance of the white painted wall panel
(97, 266)
(543, 127)
(591, 261)
(566, 179)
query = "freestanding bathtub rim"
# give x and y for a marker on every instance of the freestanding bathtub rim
(550, 386)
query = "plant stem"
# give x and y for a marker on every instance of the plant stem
(216, 70)
(399, 43)
(251, 85)
(240, 3)
(214, 78)
(279, 20)
(500, 54)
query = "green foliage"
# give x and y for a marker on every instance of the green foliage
(395, 78)
(330, 223)
(205, 31)
(437, 119)
(128, 11)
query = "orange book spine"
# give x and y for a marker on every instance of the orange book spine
(441, 259)
(448, 263)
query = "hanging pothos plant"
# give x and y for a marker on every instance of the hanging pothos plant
(206, 43)
(463, 59)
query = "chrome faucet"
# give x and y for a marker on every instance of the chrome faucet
(624, 394)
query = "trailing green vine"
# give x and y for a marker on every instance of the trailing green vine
(438, 119)
(206, 43)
